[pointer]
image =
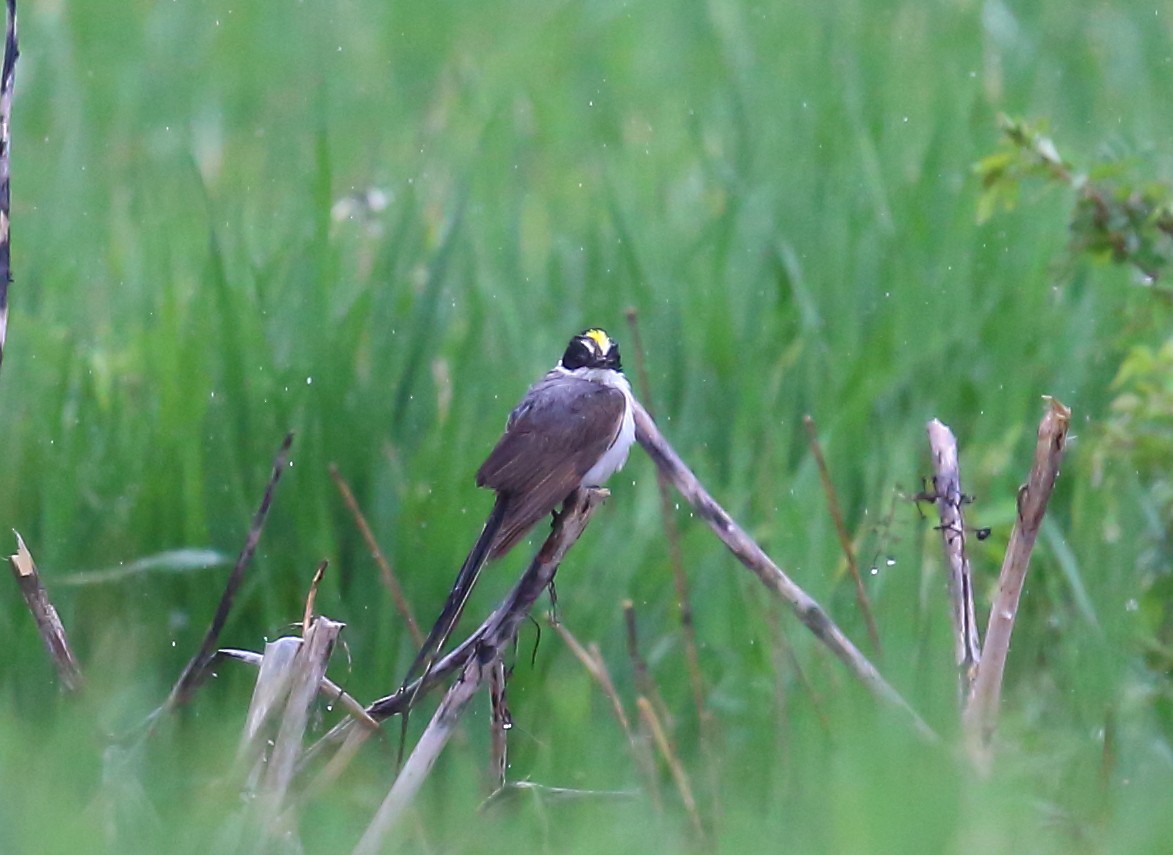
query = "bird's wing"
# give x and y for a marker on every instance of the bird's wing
(551, 442)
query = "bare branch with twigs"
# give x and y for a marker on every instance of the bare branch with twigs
(980, 717)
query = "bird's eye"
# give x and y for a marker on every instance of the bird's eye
(578, 354)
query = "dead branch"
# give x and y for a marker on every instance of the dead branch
(197, 668)
(980, 717)
(949, 498)
(771, 575)
(24, 570)
(491, 646)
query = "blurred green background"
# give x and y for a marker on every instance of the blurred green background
(375, 223)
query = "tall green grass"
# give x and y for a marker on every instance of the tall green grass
(783, 192)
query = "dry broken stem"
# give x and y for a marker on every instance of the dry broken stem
(24, 570)
(949, 498)
(980, 718)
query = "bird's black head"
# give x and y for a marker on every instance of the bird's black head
(592, 348)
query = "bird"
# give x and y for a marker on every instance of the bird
(572, 428)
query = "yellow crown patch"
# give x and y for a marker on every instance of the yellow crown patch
(600, 338)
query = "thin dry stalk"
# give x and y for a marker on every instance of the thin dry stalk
(196, 670)
(675, 553)
(949, 498)
(390, 580)
(747, 551)
(498, 635)
(49, 625)
(644, 683)
(861, 594)
(981, 716)
(648, 716)
(308, 613)
(593, 662)
(7, 81)
(499, 723)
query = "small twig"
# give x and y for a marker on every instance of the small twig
(861, 594)
(747, 551)
(949, 498)
(24, 570)
(597, 669)
(497, 637)
(648, 715)
(980, 717)
(7, 81)
(390, 580)
(197, 668)
(308, 613)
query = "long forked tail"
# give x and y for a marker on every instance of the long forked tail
(458, 597)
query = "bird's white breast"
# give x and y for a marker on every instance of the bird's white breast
(615, 456)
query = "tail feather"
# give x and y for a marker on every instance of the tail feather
(461, 589)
